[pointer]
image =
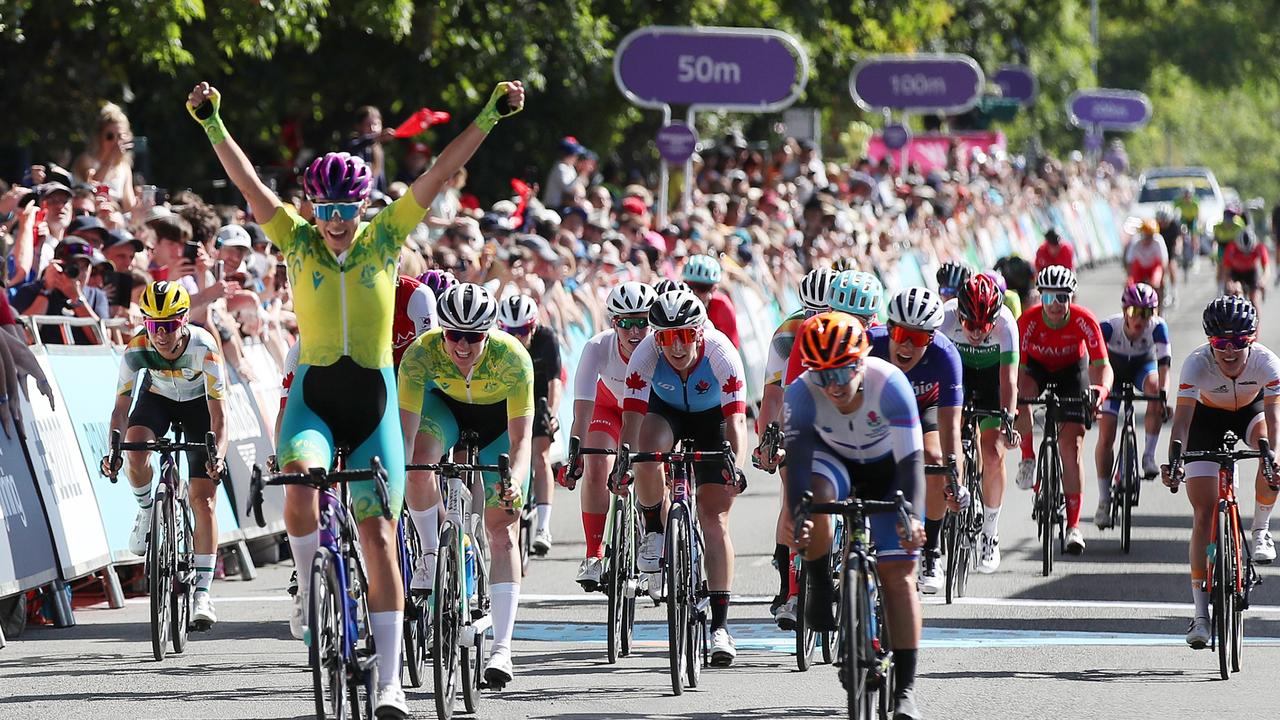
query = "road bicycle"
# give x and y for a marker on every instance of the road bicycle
(1127, 473)
(684, 578)
(863, 646)
(340, 644)
(171, 564)
(1049, 509)
(417, 613)
(1231, 575)
(459, 601)
(620, 580)
(960, 529)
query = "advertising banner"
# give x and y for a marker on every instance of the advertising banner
(931, 152)
(248, 444)
(26, 555)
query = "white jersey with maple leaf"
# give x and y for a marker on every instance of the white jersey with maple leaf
(716, 379)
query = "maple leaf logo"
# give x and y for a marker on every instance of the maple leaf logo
(635, 382)
(732, 385)
(702, 387)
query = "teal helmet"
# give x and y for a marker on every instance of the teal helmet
(858, 293)
(702, 270)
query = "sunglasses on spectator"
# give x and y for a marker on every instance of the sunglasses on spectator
(520, 330)
(1139, 312)
(670, 336)
(1055, 298)
(167, 326)
(901, 334)
(701, 287)
(338, 211)
(1232, 342)
(835, 376)
(631, 323)
(472, 337)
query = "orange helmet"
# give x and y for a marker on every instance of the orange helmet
(831, 340)
(1150, 227)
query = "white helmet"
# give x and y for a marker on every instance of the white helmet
(467, 306)
(1056, 277)
(630, 298)
(677, 309)
(666, 285)
(815, 289)
(517, 311)
(918, 308)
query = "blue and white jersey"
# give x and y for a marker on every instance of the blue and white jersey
(1152, 344)
(715, 381)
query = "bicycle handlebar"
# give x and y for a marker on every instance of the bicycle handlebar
(1005, 418)
(723, 457)
(851, 509)
(162, 445)
(320, 479)
(1225, 455)
(571, 472)
(770, 443)
(455, 469)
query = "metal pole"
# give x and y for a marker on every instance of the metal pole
(902, 167)
(1093, 32)
(664, 178)
(686, 205)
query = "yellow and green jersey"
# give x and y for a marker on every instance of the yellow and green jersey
(504, 372)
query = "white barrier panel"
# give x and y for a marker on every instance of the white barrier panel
(26, 556)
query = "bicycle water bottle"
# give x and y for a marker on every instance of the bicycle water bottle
(469, 553)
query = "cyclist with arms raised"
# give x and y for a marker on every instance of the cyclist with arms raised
(1058, 338)
(1231, 383)
(685, 381)
(851, 424)
(343, 277)
(1138, 350)
(598, 389)
(183, 383)
(985, 333)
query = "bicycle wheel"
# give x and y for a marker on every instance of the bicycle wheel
(526, 538)
(327, 637)
(472, 665)
(1045, 510)
(857, 649)
(362, 687)
(630, 577)
(185, 562)
(806, 639)
(677, 597)
(615, 582)
(1240, 579)
(160, 570)
(1129, 480)
(829, 641)
(446, 621)
(415, 611)
(1223, 593)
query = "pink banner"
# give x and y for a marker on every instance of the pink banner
(929, 152)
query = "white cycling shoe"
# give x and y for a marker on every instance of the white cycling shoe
(722, 649)
(1264, 548)
(1102, 516)
(424, 573)
(391, 703)
(499, 671)
(650, 555)
(1027, 474)
(1150, 470)
(1198, 633)
(298, 618)
(988, 553)
(141, 528)
(589, 573)
(1075, 541)
(202, 614)
(785, 616)
(541, 544)
(931, 575)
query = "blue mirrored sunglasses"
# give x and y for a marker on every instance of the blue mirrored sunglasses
(339, 211)
(834, 376)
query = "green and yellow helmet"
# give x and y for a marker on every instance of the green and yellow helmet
(164, 300)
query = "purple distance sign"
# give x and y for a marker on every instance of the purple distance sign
(947, 83)
(676, 143)
(1017, 82)
(731, 68)
(1109, 109)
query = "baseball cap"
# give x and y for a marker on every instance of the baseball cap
(234, 236)
(115, 237)
(46, 189)
(88, 227)
(570, 144)
(539, 246)
(634, 205)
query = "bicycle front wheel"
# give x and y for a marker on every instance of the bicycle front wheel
(1129, 487)
(327, 637)
(806, 639)
(446, 621)
(615, 582)
(1239, 579)
(184, 579)
(1223, 592)
(160, 570)
(627, 569)
(415, 610)
(677, 597)
(1046, 508)
(857, 644)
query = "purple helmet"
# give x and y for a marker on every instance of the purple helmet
(1140, 295)
(998, 279)
(337, 177)
(438, 280)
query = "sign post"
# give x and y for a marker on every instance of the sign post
(946, 83)
(713, 68)
(1100, 109)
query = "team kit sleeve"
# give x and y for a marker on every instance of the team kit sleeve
(1094, 345)
(589, 366)
(520, 384)
(798, 437)
(411, 385)
(1026, 326)
(1161, 345)
(1271, 389)
(284, 227)
(392, 226)
(639, 380)
(951, 376)
(128, 377)
(1189, 379)
(898, 403)
(214, 385)
(726, 363)
(1008, 330)
(775, 364)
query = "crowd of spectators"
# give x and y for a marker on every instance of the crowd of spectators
(85, 242)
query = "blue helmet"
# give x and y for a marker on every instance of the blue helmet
(701, 269)
(857, 293)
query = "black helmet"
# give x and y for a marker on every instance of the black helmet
(1230, 315)
(952, 275)
(677, 309)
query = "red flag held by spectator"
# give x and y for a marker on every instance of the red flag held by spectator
(421, 120)
(522, 189)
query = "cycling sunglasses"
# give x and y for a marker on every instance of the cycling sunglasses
(336, 211)
(948, 292)
(1232, 342)
(631, 323)
(1055, 298)
(520, 330)
(168, 326)
(918, 338)
(1139, 312)
(669, 337)
(835, 376)
(976, 327)
(473, 337)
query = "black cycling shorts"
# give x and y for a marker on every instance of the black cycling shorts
(158, 413)
(1247, 278)
(1068, 384)
(1209, 425)
(705, 429)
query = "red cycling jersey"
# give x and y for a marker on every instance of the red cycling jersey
(1061, 254)
(1057, 348)
(1233, 258)
(723, 316)
(415, 314)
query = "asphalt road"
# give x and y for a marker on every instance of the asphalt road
(1101, 636)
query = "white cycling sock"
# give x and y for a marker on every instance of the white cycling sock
(990, 521)
(388, 636)
(1200, 597)
(204, 571)
(303, 548)
(506, 598)
(427, 523)
(1104, 488)
(544, 516)
(1152, 440)
(143, 496)
(1262, 516)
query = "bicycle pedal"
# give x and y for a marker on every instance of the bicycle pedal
(201, 625)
